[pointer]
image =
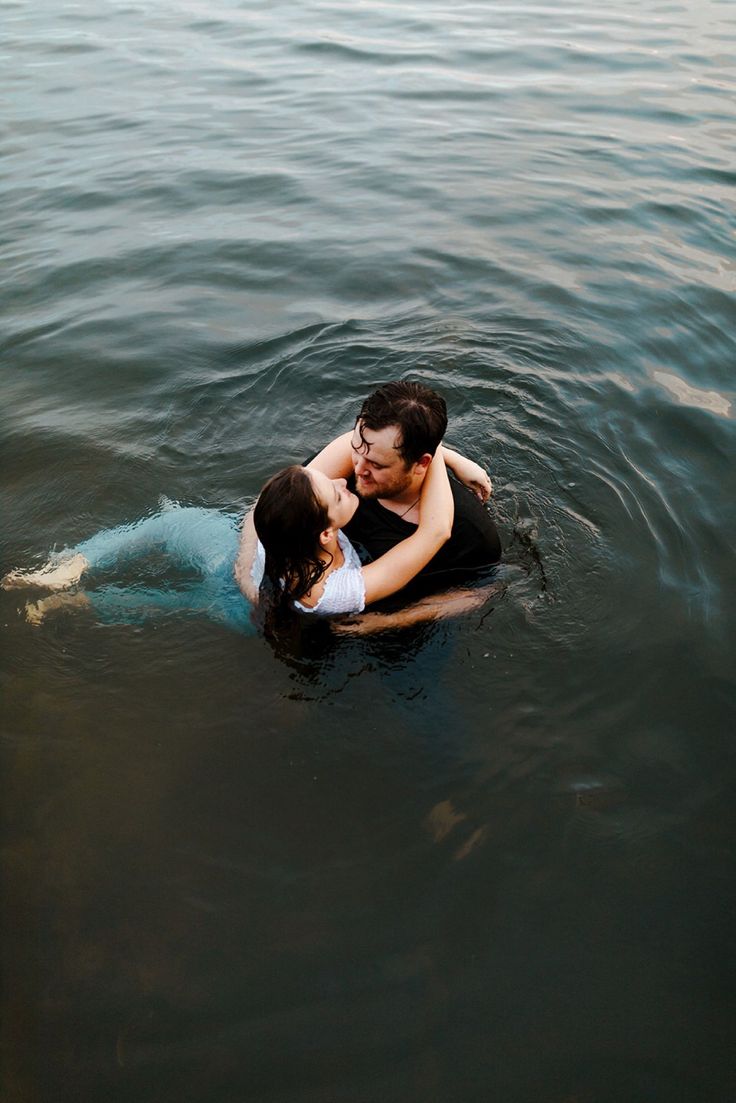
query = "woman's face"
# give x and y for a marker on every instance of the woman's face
(335, 497)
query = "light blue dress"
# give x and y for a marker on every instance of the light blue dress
(203, 541)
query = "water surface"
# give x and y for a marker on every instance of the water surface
(487, 859)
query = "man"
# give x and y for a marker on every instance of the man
(387, 456)
(397, 432)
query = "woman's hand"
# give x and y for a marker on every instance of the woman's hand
(469, 473)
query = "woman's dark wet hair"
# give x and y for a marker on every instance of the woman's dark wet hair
(419, 412)
(289, 518)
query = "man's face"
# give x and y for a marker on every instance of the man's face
(380, 471)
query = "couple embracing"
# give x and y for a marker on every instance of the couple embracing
(369, 514)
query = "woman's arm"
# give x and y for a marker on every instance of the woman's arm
(469, 473)
(336, 458)
(336, 461)
(246, 555)
(392, 571)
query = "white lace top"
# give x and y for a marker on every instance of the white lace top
(344, 590)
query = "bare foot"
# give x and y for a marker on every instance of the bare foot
(53, 576)
(37, 610)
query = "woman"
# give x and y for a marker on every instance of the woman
(308, 562)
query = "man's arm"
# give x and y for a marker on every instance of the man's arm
(245, 557)
(452, 603)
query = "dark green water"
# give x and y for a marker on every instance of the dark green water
(491, 860)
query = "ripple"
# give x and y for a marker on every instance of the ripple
(223, 227)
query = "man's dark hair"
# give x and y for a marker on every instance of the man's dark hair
(420, 413)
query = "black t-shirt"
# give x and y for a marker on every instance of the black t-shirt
(473, 545)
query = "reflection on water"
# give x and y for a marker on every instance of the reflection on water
(486, 858)
(711, 401)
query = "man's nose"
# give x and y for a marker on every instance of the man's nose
(361, 468)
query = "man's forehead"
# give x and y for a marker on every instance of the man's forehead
(375, 443)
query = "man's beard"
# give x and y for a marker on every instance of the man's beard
(390, 490)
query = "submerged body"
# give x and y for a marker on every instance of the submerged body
(193, 539)
(202, 542)
(309, 563)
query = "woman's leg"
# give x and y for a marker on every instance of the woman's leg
(203, 539)
(215, 599)
(36, 611)
(212, 599)
(52, 576)
(125, 605)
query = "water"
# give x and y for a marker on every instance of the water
(492, 859)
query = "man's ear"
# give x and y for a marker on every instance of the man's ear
(423, 462)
